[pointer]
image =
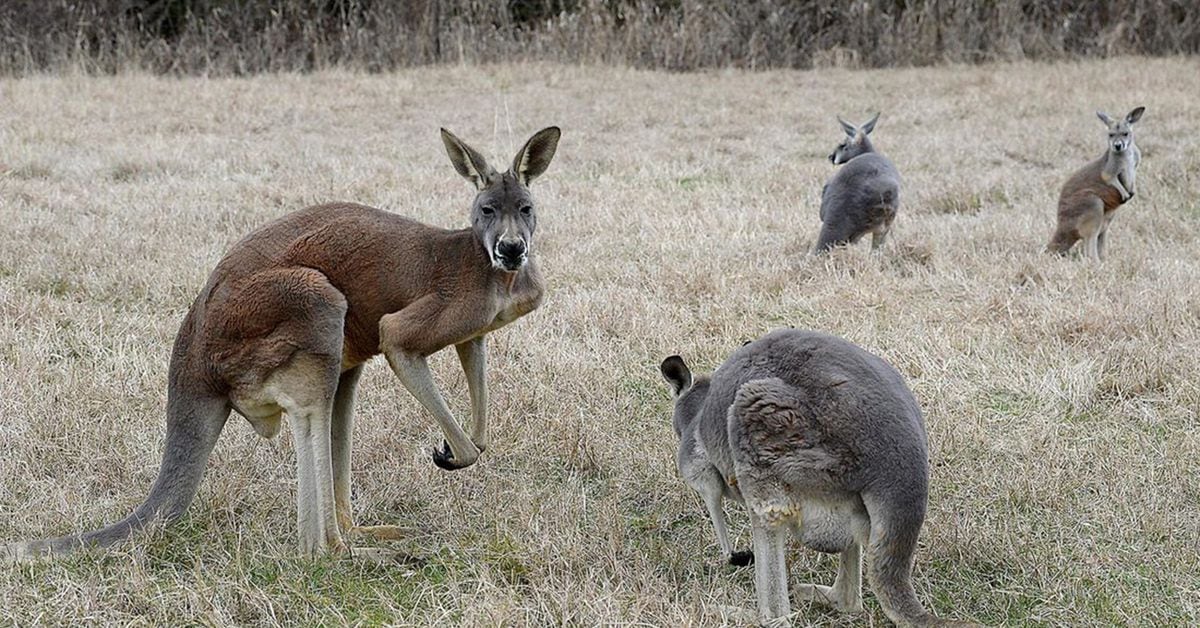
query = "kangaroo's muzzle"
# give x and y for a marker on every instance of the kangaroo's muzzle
(510, 254)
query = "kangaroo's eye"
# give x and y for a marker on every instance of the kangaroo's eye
(487, 210)
(526, 210)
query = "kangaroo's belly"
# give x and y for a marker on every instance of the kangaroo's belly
(832, 525)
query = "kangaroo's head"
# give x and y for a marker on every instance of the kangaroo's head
(856, 141)
(503, 215)
(1120, 130)
(689, 392)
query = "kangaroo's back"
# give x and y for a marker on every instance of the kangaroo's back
(1084, 185)
(853, 402)
(869, 180)
(379, 261)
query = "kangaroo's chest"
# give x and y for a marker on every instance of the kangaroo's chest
(509, 306)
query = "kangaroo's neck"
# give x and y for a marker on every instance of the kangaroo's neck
(462, 261)
(1114, 160)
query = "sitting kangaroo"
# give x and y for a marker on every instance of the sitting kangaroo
(863, 196)
(820, 438)
(1090, 198)
(296, 308)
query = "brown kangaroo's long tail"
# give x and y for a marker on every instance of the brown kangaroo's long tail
(194, 421)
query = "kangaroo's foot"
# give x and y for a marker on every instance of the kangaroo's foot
(828, 596)
(741, 559)
(445, 458)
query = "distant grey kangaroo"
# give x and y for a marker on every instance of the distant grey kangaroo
(1090, 198)
(820, 438)
(863, 196)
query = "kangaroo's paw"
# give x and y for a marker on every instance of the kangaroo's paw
(827, 596)
(741, 559)
(383, 533)
(445, 459)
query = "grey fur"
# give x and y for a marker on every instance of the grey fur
(818, 438)
(863, 196)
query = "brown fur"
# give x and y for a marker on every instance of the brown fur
(405, 285)
(291, 313)
(1090, 198)
(1085, 203)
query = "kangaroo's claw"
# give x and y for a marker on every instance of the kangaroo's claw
(741, 559)
(445, 459)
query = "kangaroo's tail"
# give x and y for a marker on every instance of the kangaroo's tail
(895, 524)
(1060, 243)
(194, 421)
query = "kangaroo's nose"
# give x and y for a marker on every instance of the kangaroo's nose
(510, 249)
(510, 254)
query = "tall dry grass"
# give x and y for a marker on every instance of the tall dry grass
(1061, 396)
(222, 37)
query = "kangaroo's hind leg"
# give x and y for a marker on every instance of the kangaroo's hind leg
(834, 530)
(1090, 225)
(310, 417)
(342, 433)
(770, 568)
(293, 366)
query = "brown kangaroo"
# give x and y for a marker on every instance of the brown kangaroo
(1090, 198)
(296, 308)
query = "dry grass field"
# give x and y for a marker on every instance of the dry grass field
(1061, 397)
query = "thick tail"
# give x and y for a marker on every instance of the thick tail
(194, 421)
(1060, 243)
(890, 555)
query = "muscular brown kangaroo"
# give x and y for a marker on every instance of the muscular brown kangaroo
(291, 314)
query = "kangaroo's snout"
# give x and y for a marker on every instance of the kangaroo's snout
(511, 253)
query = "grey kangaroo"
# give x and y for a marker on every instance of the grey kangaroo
(1090, 198)
(863, 196)
(818, 438)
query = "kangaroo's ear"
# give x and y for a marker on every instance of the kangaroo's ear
(869, 125)
(1104, 117)
(468, 162)
(677, 374)
(534, 157)
(850, 129)
(1135, 115)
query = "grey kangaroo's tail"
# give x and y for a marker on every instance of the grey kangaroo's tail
(890, 555)
(194, 421)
